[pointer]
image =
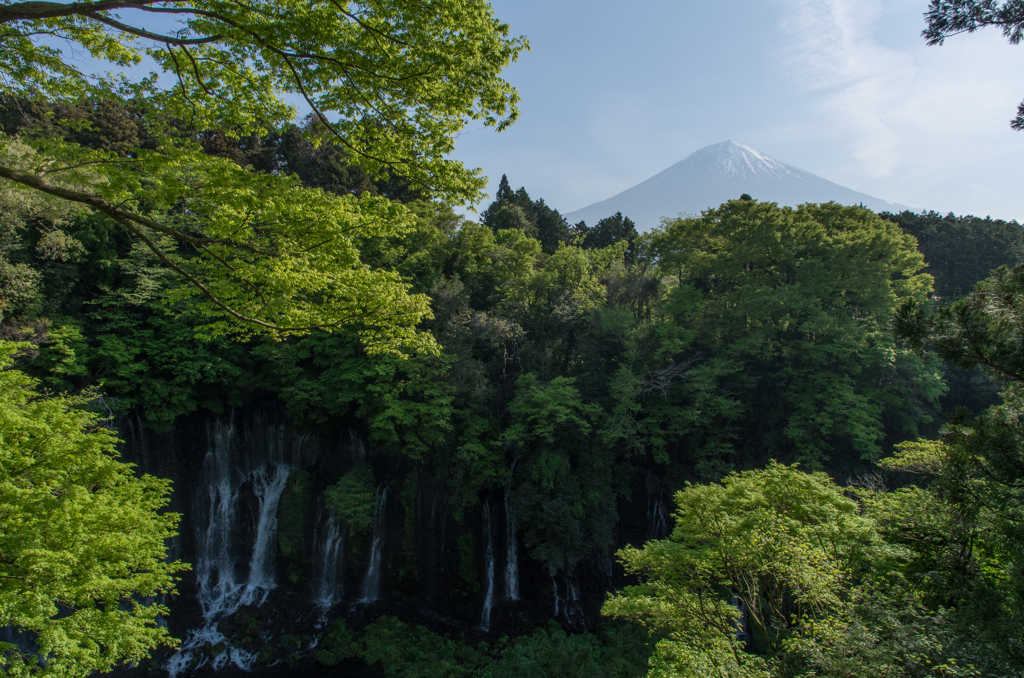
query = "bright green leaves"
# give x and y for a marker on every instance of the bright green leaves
(409, 404)
(563, 476)
(83, 538)
(391, 84)
(548, 413)
(814, 271)
(394, 83)
(789, 561)
(354, 498)
(771, 534)
(259, 252)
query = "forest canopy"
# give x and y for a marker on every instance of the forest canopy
(259, 251)
(761, 402)
(586, 384)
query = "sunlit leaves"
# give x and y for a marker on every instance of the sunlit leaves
(82, 540)
(392, 85)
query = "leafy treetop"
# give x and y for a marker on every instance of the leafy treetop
(390, 84)
(83, 539)
(393, 83)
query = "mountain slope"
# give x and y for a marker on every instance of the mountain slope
(710, 176)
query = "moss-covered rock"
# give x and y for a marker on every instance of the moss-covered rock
(354, 498)
(293, 515)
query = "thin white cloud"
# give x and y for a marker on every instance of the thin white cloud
(846, 89)
(831, 49)
(915, 124)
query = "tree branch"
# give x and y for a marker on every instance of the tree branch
(34, 10)
(119, 213)
(142, 33)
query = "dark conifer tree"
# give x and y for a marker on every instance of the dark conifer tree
(962, 250)
(552, 228)
(515, 209)
(609, 231)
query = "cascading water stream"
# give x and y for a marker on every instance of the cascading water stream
(740, 625)
(371, 583)
(569, 607)
(220, 591)
(554, 590)
(215, 566)
(657, 516)
(511, 556)
(573, 610)
(485, 617)
(330, 546)
(269, 486)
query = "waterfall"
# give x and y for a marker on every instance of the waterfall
(221, 590)
(485, 617)
(740, 625)
(215, 564)
(573, 610)
(269, 486)
(511, 556)
(330, 548)
(657, 517)
(569, 606)
(371, 583)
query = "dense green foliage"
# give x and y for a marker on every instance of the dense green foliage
(252, 252)
(259, 251)
(616, 650)
(570, 369)
(562, 366)
(779, 573)
(516, 210)
(564, 377)
(977, 466)
(793, 307)
(783, 573)
(961, 251)
(354, 498)
(83, 538)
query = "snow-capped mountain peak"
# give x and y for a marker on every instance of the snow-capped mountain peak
(730, 159)
(711, 175)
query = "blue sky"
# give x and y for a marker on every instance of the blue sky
(614, 93)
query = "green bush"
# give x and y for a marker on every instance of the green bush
(354, 498)
(406, 652)
(336, 644)
(619, 651)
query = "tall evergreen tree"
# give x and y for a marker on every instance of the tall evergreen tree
(535, 218)
(609, 231)
(552, 228)
(962, 250)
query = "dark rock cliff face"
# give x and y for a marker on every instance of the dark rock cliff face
(273, 563)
